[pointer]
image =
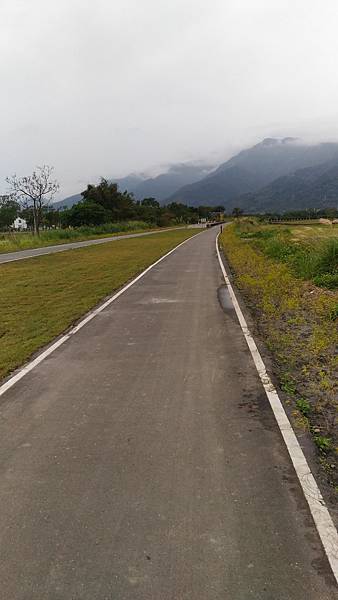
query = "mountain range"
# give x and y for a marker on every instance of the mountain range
(313, 187)
(160, 186)
(253, 169)
(275, 175)
(165, 184)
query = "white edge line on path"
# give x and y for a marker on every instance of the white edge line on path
(91, 315)
(320, 514)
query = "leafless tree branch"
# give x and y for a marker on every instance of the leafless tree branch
(35, 191)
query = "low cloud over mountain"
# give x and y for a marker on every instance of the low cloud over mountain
(253, 169)
(274, 175)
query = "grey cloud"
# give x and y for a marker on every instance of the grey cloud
(112, 87)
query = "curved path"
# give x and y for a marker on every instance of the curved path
(142, 461)
(22, 254)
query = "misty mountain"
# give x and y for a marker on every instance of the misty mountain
(125, 183)
(253, 169)
(158, 187)
(67, 202)
(130, 182)
(218, 189)
(313, 187)
(274, 175)
(165, 184)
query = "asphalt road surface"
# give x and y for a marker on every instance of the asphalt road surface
(141, 460)
(21, 254)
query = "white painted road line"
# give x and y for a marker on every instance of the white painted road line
(36, 361)
(320, 514)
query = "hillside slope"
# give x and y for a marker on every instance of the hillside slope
(159, 187)
(67, 202)
(165, 184)
(253, 169)
(314, 187)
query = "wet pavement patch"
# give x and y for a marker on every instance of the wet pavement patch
(226, 302)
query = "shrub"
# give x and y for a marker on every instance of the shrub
(323, 443)
(328, 257)
(327, 280)
(304, 407)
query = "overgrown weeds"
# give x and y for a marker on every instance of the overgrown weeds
(297, 320)
(310, 259)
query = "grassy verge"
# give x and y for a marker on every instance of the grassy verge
(314, 233)
(298, 321)
(12, 242)
(311, 253)
(41, 297)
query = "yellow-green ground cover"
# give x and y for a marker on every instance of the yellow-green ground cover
(298, 322)
(41, 297)
(314, 233)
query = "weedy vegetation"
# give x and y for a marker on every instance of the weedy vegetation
(289, 279)
(310, 257)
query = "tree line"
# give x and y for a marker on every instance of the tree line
(30, 198)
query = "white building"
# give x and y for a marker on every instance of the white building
(19, 224)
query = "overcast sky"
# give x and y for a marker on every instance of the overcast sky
(113, 86)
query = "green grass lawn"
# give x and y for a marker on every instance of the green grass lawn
(41, 297)
(13, 242)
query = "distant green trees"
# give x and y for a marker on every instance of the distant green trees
(237, 212)
(9, 209)
(118, 206)
(100, 204)
(310, 213)
(86, 213)
(105, 203)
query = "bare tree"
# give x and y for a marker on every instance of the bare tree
(35, 191)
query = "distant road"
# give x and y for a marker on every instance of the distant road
(22, 254)
(142, 460)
